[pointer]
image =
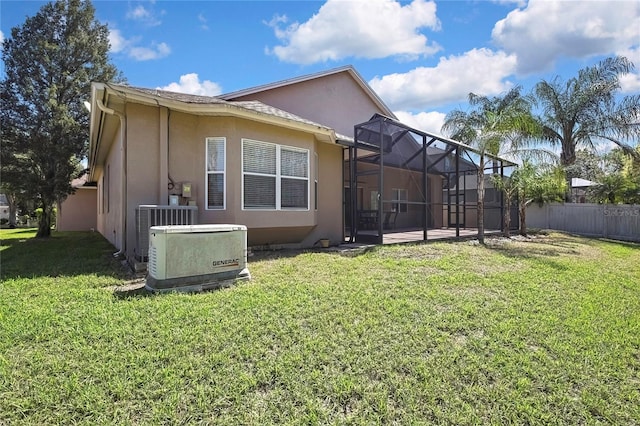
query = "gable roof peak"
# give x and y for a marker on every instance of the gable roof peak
(350, 69)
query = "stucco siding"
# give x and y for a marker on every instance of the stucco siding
(109, 194)
(78, 212)
(334, 100)
(186, 159)
(143, 164)
(329, 215)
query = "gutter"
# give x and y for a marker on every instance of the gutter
(123, 152)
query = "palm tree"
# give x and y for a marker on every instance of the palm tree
(585, 109)
(612, 188)
(530, 183)
(494, 126)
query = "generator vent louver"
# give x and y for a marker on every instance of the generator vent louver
(156, 215)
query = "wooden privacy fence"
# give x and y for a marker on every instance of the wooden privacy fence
(615, 221)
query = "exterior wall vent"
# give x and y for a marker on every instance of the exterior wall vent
(154, 215)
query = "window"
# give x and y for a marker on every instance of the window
(373, 200)
(399, 198)
(275, 177)
(215, 196)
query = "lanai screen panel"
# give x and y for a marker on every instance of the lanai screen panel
(404, 179)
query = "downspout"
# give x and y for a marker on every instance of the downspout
(123, 152)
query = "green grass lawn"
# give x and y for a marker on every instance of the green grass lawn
(545, 331)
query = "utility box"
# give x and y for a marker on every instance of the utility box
(196, 257)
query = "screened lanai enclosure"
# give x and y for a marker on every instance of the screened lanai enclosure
(403, 181)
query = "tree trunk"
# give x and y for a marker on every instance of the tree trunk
(11, 200)
(507, 217)
(481, 201)
(567, 158)
(523, 219)
(44, 222)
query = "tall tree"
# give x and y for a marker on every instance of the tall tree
(621, 183)
(50, 62)
(588, 165)
(494, 126)
(586, 108)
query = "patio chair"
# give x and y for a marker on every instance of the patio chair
(390, 219)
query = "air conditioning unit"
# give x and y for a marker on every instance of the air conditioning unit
(196, 257)
(157, 215)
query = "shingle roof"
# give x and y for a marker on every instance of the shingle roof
(276, 112)
(255, 106)
(175, 96)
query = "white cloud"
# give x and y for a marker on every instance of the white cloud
(155, 51)
(203, 22)
(546, 30)
(130, 47)
(481, 71)
(190, 83)
(145, 16)
(630, 83)
(520, 3)
(1, 38)
(364, 28)
(139, 12)
(426, 121)
(117, 42)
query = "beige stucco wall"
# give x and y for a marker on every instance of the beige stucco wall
(109, 192)
(335, 100)
(186, 148)
(78, 212)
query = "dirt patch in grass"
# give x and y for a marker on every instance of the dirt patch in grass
(542, 245)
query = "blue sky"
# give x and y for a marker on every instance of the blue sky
(422, 57)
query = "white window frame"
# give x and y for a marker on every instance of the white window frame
(207, 173)
(400, 204)
(278, 176)
(374, 196)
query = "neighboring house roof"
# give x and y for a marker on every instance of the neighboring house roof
(581, 183)
(81, 182)
(347, 68)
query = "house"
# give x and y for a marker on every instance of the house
(580, 189)
(295, 161)
(4, 209)
(242, 160)
(78, 212)
(331, 97)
